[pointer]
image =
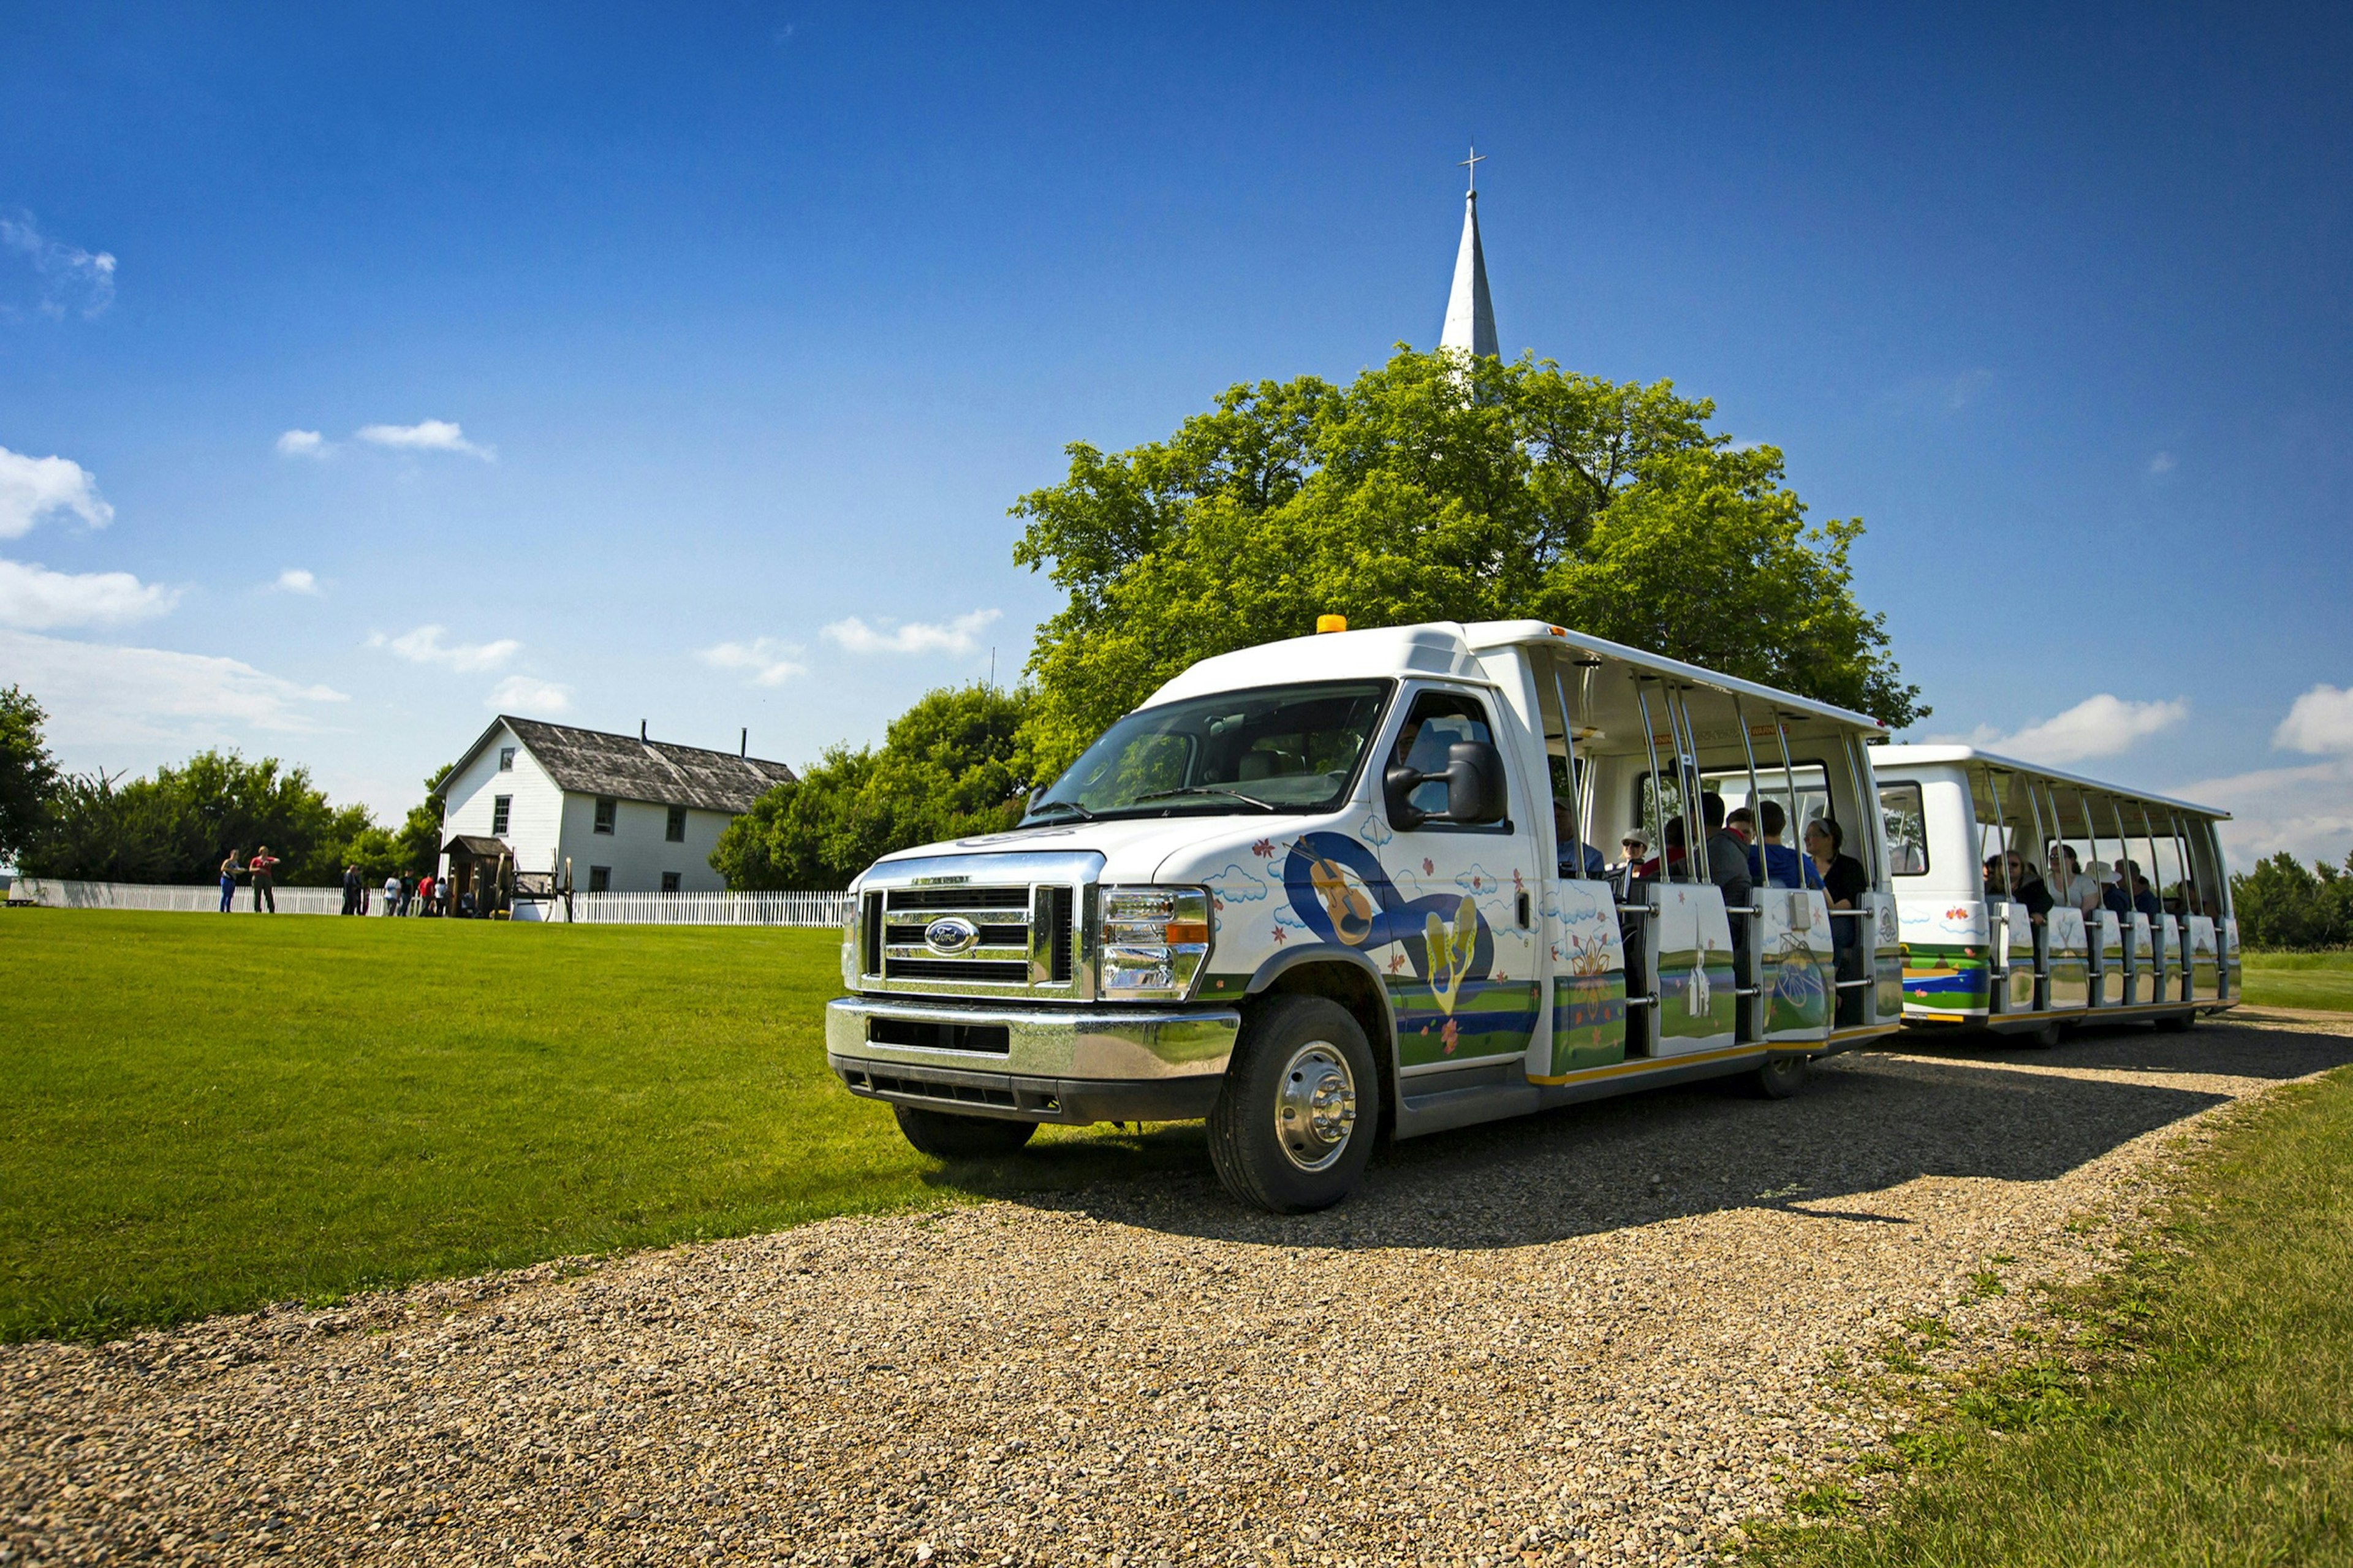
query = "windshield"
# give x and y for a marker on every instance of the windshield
(1275, 749)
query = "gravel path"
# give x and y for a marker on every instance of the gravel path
(1607, 1334)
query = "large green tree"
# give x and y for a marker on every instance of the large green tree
(2281, 905)
(946, 769)
(29, 775)
(175, 826)
(1437, 488)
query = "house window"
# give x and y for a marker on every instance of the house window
(501, 806)
(605, 807)
(600, 878)
(676, 829)
(669, 881)
(506, 759)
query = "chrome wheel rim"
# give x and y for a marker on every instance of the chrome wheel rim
(1315, 1107)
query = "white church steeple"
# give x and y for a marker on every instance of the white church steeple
(1469, 314)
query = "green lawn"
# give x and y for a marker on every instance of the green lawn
(2204, 1415)
(198, 1115)
(2322, 980)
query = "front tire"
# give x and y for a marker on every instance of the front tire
(1295, 1121)
(945, 1136)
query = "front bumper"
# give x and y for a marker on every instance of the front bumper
(1058, 1064)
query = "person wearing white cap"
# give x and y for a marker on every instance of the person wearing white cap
(2113, 896)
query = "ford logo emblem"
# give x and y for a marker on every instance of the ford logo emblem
(950, 935)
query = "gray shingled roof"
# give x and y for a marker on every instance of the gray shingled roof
(590, 761)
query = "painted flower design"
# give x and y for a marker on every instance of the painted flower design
(1448, 1034)
(1278, 936)
(1428, 867)
(1263, 849)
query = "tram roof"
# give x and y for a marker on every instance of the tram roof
(1452, 648)
(1543, 634)
(1887, 758)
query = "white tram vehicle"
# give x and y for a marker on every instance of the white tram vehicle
(1324, 890)
(2138, 924)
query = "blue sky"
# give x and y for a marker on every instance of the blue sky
(682, 367)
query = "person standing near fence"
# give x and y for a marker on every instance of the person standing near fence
(258, 869)
(392, 895)
(351, 890)
(229, 881)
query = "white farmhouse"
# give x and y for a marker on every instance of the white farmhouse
(630, 814)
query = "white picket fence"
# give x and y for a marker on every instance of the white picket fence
(205, 899)
(587, 909)
(704, 909)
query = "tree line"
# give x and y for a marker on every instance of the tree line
(176, 826)
(2283, 906)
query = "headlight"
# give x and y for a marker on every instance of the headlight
(1154, 940)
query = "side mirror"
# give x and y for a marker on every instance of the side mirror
(1474, 783)
(1475, 790)
(1397, 791)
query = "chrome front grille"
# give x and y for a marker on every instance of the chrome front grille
(1003, 916)
(1026, 936)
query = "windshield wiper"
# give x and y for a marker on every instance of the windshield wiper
(1072, 807)
(1210, 789)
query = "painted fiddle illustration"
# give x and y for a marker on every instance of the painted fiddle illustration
(1349, 907)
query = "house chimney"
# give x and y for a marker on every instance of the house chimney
(641, 728)
(743, 747)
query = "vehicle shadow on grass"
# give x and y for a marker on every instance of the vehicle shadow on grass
(1867, 1122)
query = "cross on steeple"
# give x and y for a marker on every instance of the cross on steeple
(1470, 315)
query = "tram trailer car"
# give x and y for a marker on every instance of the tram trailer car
(1313, 893)
(1975, 959)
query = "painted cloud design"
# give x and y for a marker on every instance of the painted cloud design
(1237, 884)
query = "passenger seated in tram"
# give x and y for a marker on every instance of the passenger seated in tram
(1628, 870)
(2028, 888)
(2113, 896)
(1845, 881)
(2144, 897)
(1728, 857)
(1564, 831)
(1996, 885)
(1774, 863)
(2069, 886)
(1670, 863)
(1727, 867)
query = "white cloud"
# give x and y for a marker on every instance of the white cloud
(302, 444)
(423, 646)
(297, 579)
(2162, 464)
(2307, 811)
(72, 277)
(2099, 726)
(98, 695)
(529, 694)
(2321, 723)
(38, 599)
(426, 435)
(31, 487)
(955, 637)
(769, 661)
